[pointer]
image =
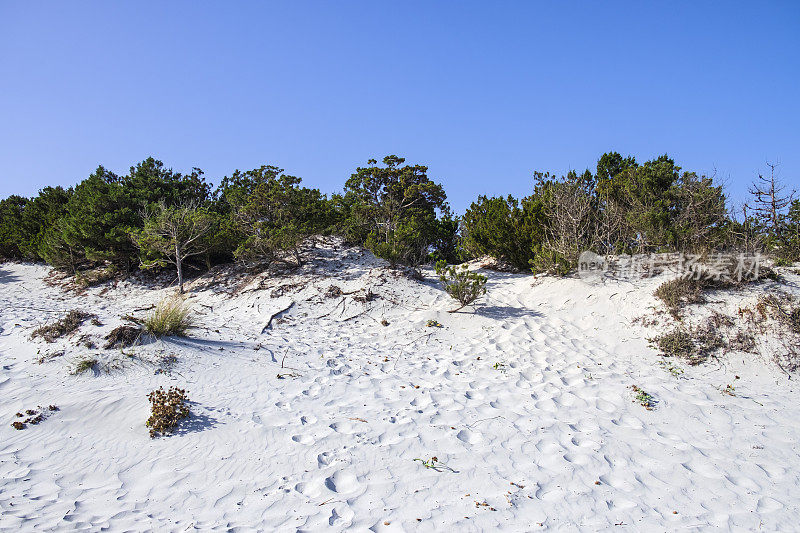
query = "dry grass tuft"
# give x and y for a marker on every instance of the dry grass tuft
(172, 316)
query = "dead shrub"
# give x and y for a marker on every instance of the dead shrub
(168, 409)
(72, 321)
(122, 337)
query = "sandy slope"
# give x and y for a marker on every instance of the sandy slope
(550, 439)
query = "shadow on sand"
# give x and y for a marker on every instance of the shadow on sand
(8, 277)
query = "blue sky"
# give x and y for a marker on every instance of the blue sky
(484, 93)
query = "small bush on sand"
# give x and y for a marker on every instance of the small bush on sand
(66, 325)
(168, 409)
(172, 316)
(460, 283)
(675, 343)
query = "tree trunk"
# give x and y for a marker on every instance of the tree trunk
(179, 265)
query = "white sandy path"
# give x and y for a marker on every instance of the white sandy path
(334, 448)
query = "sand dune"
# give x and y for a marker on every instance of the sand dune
(524, 400)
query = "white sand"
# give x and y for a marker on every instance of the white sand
(550, 440)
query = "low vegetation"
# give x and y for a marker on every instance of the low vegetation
(71, 321)
(153, 216)
(172, 316)
(168, 408)
(34, 416)
(123, 337)
(643, 398)
(461, 283)
(696, 344)
(83, 365)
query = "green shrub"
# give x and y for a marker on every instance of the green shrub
(460, 283)
(504, 228)
(172, 316)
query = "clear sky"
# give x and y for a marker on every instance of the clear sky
(484, 93)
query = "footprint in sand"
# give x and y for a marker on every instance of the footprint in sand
(342, 482)
(303, 439)
(468, 436)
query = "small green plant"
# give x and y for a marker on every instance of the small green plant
(674, 370)
(432, 324)
(168, 409)
(499, 366)
(435, 464)
(460, 283)
(643, 398)
(172, 316)
(84, 364)
(730, 390)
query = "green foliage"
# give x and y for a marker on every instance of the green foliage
(788, 245)
(11, 239)
(274, 214)
(461, 283)
(393, 210)
(504, 228)
(173, 234)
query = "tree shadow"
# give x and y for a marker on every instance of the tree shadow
(8, 277)
(504, 312)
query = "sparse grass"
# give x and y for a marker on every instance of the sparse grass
(644, 398)
(71, 321)
(168, 408)
(172, 316)
(678, 293)
(690, 289)
(83, 365)
(674, 370)
(435, 464)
